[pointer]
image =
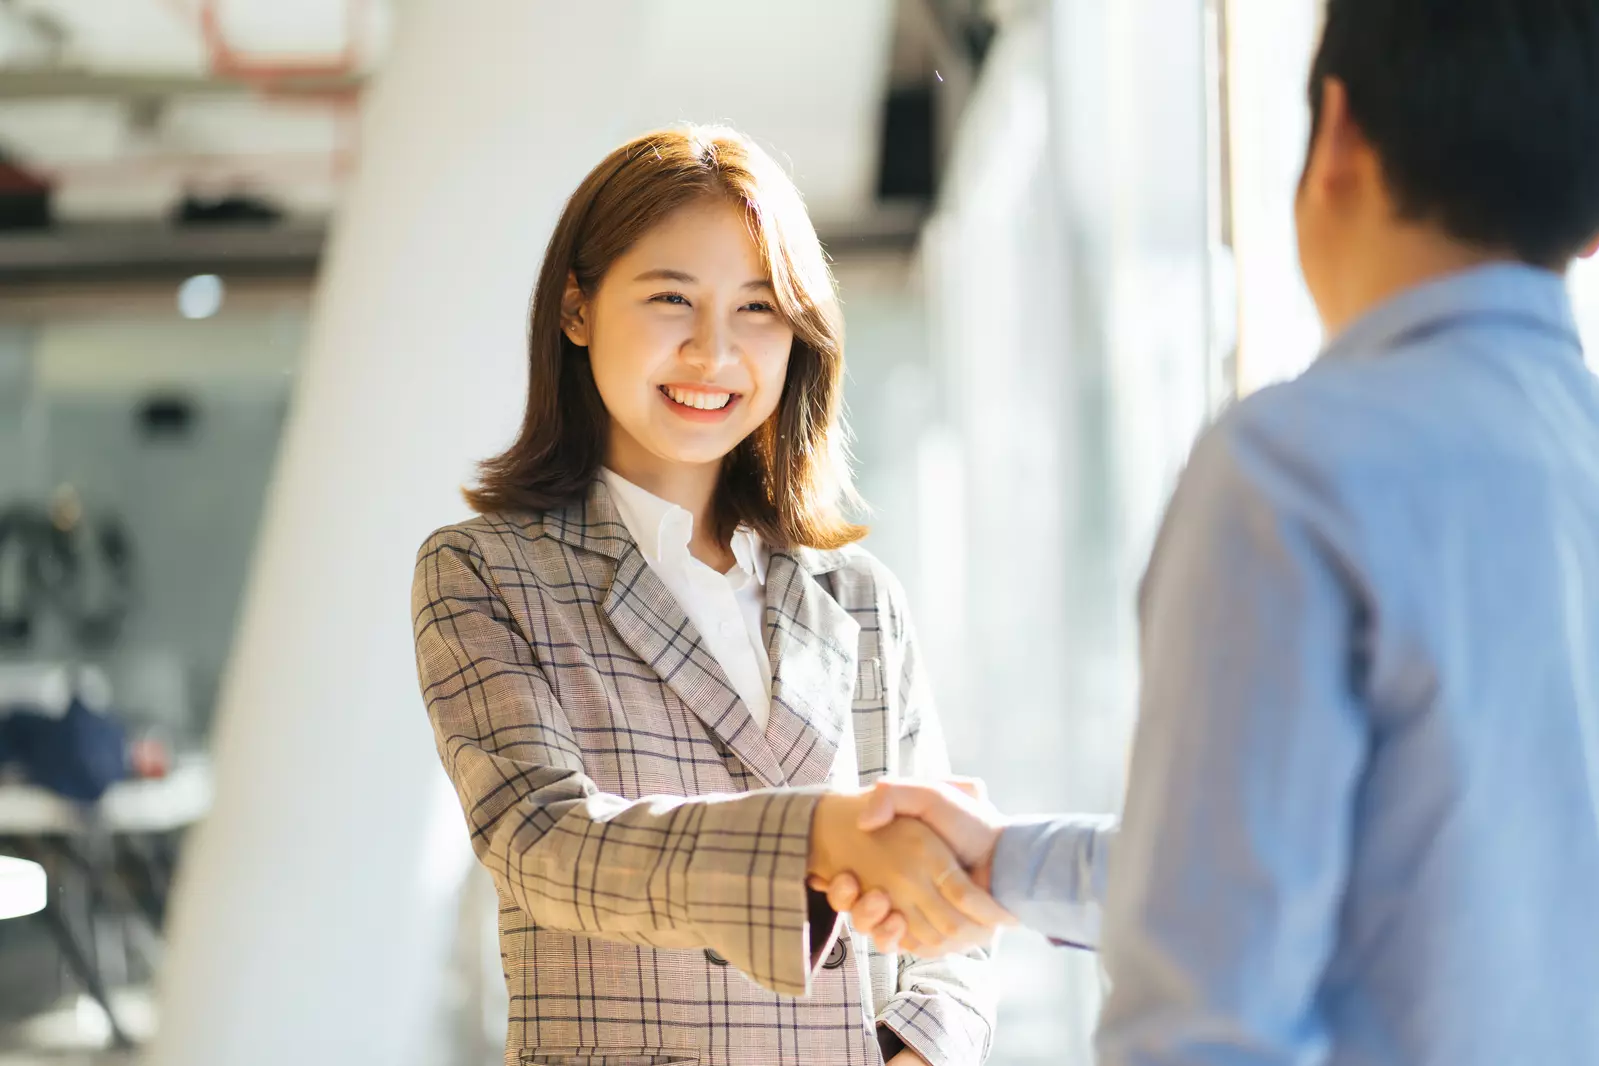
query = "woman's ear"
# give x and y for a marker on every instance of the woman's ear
(575, 313)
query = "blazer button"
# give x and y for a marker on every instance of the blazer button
(714, 959)
(835, 958)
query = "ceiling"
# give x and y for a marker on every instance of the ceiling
(128, 104)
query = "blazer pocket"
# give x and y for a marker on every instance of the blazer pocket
(869, 681)
(596, 1057)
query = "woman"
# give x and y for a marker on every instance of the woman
(658, 644)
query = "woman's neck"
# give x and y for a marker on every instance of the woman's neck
(690, 486)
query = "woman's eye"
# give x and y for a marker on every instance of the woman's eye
(761, 307)
(676, 299)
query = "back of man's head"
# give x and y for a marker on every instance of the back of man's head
(1484, 114)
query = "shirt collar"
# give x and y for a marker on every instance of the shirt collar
(1512, 291)
(663, 530)
(750, 553)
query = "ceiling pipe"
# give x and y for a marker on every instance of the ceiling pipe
(270, 72)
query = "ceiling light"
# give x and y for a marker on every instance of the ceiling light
(200, 296)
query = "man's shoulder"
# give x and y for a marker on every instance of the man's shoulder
(1379, 418)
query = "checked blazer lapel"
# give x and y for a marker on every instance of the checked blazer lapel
(814, 645)
(651, 622)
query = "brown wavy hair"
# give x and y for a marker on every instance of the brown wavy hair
(789, 480)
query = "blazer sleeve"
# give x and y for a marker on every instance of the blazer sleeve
(943, 1009)
(720, 872)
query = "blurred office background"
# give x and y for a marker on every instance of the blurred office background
(263, 266)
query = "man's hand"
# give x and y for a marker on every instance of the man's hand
(957, 811)
(906, 862)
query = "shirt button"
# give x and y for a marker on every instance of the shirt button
(714, 959)
(835, 958)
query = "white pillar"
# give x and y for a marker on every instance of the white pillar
(1270, 45)
(313, 913)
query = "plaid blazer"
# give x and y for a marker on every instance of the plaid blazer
(649, 844)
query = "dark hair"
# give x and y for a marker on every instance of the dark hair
(789, 479)
(1484, 113)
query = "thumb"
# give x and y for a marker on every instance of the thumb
(975, 787)
(879, 810)
(891, 799)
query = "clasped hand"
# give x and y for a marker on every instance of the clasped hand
(910, 863)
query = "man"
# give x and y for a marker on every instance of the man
(1362, 823)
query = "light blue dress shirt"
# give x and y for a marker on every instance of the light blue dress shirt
(1362, 825)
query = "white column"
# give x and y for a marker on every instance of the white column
(314, 910)
(1270, 45)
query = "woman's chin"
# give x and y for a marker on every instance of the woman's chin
(695, 452)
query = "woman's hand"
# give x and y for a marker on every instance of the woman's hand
(960, 814)
(909, 864)
(908, 1058)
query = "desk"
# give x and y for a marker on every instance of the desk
(150, 805)
(22, 887)
(111, 851)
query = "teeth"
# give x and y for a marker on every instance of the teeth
(704, 401)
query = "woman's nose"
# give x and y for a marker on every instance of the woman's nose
(712, 343)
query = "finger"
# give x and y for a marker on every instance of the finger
(890, 937)
(975, 787)
(917, 926)
(871, 911)
(941, 914)
(889, 799)
(817, 883)
(894, 930)
(977, 906)
(843, 893)
(879, 810)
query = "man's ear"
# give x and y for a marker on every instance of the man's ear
(1340, 156)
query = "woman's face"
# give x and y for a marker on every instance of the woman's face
(688, 347)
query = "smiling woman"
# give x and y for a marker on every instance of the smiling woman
(685, 256)
(684, 334)
(659, 667)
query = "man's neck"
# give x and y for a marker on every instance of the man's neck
(1405, 259)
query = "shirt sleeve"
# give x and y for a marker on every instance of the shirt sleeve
(1231, 862)
(1050, 874)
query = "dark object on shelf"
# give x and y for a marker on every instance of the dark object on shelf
(978, 35)
(907, 168)
(25, 198)
(225, 211)
(167, 417)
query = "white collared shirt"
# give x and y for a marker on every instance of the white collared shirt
(727, 609)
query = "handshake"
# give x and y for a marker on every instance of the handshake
(910, 863)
